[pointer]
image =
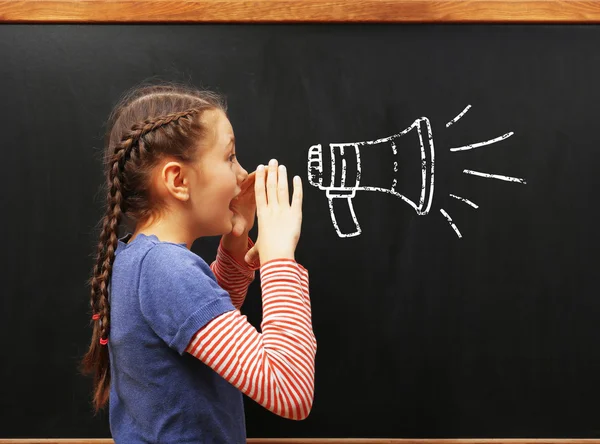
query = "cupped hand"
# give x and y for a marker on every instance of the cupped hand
(244, 207)
(279, 221)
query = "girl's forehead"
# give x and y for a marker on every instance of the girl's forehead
(219, 126)
(224, 124)
(218, 136)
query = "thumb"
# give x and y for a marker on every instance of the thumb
(251, 255)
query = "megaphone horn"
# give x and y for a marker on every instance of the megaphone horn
(346, 157)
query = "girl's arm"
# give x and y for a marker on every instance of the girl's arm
(276, 367)
(234, 275)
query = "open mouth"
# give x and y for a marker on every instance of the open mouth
(233, 200)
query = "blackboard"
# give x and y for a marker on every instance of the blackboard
(422, 332)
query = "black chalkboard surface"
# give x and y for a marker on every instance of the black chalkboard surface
(454, 304)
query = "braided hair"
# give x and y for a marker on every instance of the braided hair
(149, 123)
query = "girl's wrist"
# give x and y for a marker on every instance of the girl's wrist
(273, 256)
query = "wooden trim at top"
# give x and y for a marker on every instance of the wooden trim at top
(295, 11)
(332, 441)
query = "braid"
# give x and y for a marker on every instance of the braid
(131, 146)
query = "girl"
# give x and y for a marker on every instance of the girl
(170, 351)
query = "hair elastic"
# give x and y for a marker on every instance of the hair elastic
(95, 317)
(103, 341)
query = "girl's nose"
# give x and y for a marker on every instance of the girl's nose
(242, 174)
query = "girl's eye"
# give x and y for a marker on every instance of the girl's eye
(232, 157)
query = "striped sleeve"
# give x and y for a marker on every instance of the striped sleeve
(276, 367)
(233, 277)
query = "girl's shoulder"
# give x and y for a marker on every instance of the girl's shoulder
(171, 274)
(167, 257)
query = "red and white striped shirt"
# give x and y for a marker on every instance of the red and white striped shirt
(276, 367)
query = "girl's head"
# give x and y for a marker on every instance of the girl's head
(169, 152)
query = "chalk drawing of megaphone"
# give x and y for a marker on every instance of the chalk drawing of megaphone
(348, 167)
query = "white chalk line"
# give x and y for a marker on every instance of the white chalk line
(480, 144)
(495, 176)
(454, 227)
(457, 118)
(467, 201)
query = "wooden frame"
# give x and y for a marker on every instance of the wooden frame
(329, 441)
(304, 11)
(294, 11)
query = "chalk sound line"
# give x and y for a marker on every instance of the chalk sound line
(454, 227)
(457, 118)
(496, 176)
(467, 201)
(480, 144)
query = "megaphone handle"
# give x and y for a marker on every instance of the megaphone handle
(333, 210)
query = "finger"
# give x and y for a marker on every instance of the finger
(298, 195)
(283, 195)
(238, 228)
(251, 255)
(272, 183)
(248, 181)
(234, 225)
(259, 188)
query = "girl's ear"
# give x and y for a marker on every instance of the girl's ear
(174, 181)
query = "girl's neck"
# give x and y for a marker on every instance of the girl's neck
(166, 230)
